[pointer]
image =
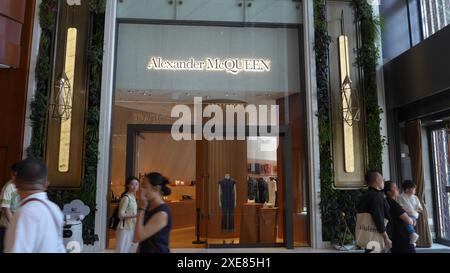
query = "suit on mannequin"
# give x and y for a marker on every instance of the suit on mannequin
(227, 202)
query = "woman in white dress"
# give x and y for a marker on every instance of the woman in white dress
(127, 216)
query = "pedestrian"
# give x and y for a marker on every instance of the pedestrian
(398, 226)
(37, 225)
(154, 219)
(411, 204)
(127, 215)
(373, 202)
(9, 202)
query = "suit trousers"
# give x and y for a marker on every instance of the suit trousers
(227, 219)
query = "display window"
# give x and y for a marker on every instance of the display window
(218, 108)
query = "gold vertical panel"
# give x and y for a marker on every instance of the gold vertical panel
(66, 124)
(344, 60)
(349, 153)
(65, 139)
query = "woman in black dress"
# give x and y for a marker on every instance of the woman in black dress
(154, 219)
(397, 226)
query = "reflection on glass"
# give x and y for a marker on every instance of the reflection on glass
(69, 70)
(349, 153)
(442, 175)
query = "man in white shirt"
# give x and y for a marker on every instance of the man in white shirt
(37, 225)
(9, 202)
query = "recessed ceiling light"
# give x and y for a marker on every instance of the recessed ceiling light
(438, 120)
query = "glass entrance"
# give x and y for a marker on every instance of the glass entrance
(187, 100)
(440, 145)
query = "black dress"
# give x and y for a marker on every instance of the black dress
(397, 229)
(159, 242)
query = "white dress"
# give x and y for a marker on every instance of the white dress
(125, 229)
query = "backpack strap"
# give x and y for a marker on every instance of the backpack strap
(56, 222)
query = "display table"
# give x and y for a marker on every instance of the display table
(268, 225)
(250, 223)
(183, 213)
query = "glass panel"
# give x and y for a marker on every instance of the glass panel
(442, 177)
(435, 15)
(145, 9)
(197, 93)
(66, 99)
(280, 11)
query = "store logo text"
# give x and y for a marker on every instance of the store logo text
(232, 65)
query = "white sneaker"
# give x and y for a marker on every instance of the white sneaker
(413, 238)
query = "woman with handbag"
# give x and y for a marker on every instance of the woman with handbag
(398, 226)
(127, 216)
(154, 219)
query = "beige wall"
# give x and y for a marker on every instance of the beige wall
(122, 117)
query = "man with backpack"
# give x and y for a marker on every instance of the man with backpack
(37, 225)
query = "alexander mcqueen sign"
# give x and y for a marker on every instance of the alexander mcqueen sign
(231, 65)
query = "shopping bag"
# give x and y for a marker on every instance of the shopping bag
(367, 235)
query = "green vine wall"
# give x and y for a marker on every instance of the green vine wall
(39, 106)
(339, 205)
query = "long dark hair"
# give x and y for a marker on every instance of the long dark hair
(157, 179)
(127, 183)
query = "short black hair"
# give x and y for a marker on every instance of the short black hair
(32, 171)
(408, 184)
(370, 176)
(15, 167)
(388, 186)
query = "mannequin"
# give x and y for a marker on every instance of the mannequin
(252, 189)
(272, 191)
(227, 202)
(262, 195)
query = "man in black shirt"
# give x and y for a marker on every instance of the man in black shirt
(373, 202)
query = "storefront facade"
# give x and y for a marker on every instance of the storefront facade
(227, 55)
(210, 94)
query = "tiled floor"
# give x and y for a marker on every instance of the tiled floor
(435, 249)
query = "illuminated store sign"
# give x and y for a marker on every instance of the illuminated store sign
(232, 65)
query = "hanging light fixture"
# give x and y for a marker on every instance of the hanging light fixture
(61, 105)
(349, 95)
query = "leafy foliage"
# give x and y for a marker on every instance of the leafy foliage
(338, 206)
(39, 106)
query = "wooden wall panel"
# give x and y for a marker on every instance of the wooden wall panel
(10, 38)
(158, 152)
(292, 115)
(214, 160)
(13, 90)
(225, 157)
(14, 9)
(12, 15)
